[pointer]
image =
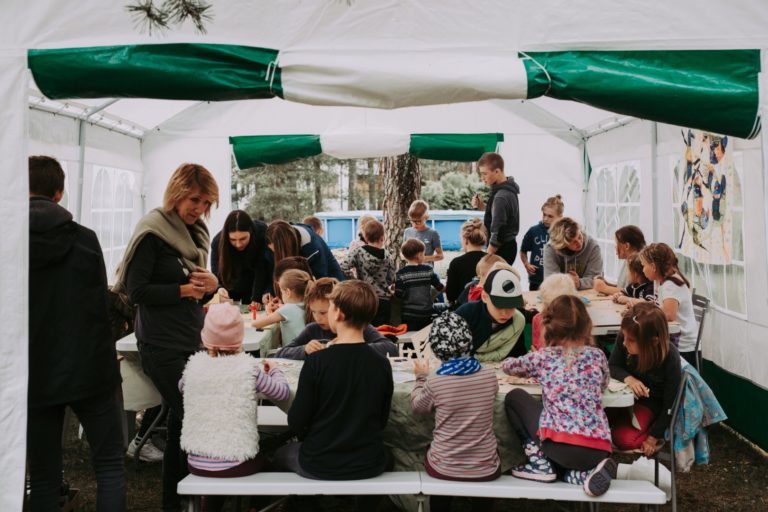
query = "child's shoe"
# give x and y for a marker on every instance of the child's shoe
(595, 482)
(538, 467)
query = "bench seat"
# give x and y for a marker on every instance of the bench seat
(283, 484)
(507, 486)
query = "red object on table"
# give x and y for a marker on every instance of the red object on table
(253, 308)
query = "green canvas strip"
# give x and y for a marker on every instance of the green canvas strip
(713, 90)
(256, 150)
(185, 71)
(455, 147)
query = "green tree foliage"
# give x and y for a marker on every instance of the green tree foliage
(453, 191)
(289, 192)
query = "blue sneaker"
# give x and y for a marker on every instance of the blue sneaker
(538, 468)
(595, 482)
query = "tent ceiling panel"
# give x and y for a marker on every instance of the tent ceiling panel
(148, 113)
(397, 24)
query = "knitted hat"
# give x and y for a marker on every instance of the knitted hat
(223, 327)
(504, 289)
(450, 337)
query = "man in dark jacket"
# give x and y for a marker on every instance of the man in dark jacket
(502, 212)
(72, 360)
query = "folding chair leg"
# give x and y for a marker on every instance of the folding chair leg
(194, 504)
(420, 501)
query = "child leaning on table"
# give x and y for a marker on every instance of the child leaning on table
(463, 447)
(317, 335)
(552, 287)
(343, 398)
(567, 430)
(639, 288)
(293, 283)
(645, 360)
(219, 384)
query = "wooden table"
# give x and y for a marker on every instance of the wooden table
(605, 314)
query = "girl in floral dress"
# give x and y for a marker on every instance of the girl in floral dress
(567, 431)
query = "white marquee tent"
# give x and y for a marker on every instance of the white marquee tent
(364, 75)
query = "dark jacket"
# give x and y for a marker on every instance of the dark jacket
(313, 247)
(373, 338)
(502, 213)
(461, 270)
(482, 326)
(71, 353)
(251, 275)
(163, 319)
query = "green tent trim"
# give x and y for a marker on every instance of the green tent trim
(257, 150)
(455, 147)
(184, 71)
(713, 90)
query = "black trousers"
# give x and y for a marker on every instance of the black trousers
(101, 419)
(164, 368)
(524, 411)
(508, 251)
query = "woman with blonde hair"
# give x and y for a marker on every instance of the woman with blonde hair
(163, 272)
(573, 252)
(461, 270)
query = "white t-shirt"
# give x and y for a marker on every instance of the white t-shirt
(293, 323)
(685, 317)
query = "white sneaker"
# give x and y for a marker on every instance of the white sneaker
(149, 452)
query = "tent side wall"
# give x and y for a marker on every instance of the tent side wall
(734, 343)
(14, 255)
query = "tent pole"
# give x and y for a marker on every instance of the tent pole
(81, 157)
(655, 180)
(762, 91)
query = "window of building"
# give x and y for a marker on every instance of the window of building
(112, 208)
(617, 189)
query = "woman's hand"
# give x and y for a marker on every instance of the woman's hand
(638, 388)
(649, 446)
(313, 346)
(209, 281)
(273, 305)
(192, 290)
(421, 367)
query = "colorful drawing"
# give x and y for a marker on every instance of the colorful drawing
(702, 179)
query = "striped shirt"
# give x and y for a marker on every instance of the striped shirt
(463, 445)
(274, 386)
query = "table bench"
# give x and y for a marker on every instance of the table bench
(416, 483)
(286, 484)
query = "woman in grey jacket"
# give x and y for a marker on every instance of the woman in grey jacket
(571, 251)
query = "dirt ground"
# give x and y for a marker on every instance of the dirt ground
(735, 480)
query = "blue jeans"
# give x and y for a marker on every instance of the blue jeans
(101, 419)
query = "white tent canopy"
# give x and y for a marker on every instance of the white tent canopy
(414, 54)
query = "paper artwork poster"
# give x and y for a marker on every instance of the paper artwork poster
(702, 177)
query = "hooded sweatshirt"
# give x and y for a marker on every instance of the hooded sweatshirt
(587, 263)
(502, 213)
(71, 354)
(372, 265)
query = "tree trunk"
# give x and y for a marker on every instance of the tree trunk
(352, 181)
(402, 186)
(371, 186)
(318, 186)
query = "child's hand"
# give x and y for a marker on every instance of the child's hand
(575, 278)
(619, 298)
(649, 446)
(531, 269)
(313, 346)
(392, 289)
(638, 388)
(421, 367)
(267, 366)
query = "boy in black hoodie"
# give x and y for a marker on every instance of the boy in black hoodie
(72, 359)
(502, 212)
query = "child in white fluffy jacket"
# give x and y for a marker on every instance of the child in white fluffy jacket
(219, 431)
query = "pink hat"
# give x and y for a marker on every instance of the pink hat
(223, 327)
